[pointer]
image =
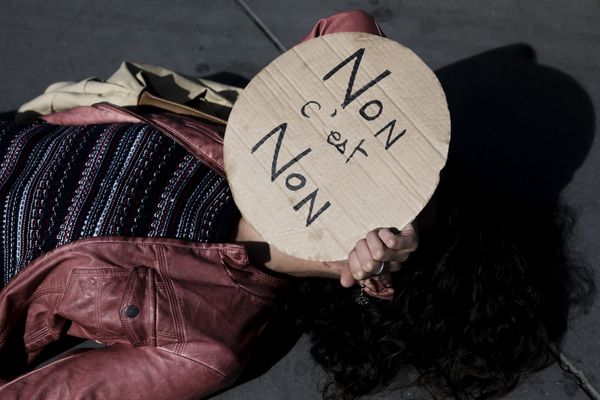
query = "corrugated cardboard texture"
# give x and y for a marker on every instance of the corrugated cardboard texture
(340, 135)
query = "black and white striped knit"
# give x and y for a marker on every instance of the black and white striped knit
(63, 183)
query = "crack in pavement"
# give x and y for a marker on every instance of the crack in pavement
(262, 26)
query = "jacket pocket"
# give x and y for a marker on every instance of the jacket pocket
(111, 304)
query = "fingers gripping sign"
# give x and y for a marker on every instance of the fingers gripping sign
(381, 247)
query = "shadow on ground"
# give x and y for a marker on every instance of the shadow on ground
(518, 125)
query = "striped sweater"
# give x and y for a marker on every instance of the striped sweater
(63, 183)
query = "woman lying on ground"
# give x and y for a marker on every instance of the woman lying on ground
(123, 230)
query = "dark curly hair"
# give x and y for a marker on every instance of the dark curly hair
(476, 306)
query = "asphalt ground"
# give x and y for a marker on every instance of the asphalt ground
(466, 42)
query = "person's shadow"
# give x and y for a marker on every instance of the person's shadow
(521, 127)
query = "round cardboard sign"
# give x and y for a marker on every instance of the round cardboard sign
(341, 134)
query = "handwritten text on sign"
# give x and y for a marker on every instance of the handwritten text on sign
(370, 111)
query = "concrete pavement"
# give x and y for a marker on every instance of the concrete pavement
(44, 42)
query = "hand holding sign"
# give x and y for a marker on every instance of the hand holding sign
(338, 136)
(381, 245)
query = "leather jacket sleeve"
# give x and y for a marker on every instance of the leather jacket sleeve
(119, 372)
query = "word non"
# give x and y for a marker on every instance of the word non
(372, 109)
(294, 181)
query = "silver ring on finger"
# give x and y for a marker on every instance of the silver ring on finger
(381, 269)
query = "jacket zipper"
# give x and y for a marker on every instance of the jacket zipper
(175, 105)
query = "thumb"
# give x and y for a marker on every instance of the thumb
(346, 278)
(342, 268)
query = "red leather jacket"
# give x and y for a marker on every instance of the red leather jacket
(178, 318)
